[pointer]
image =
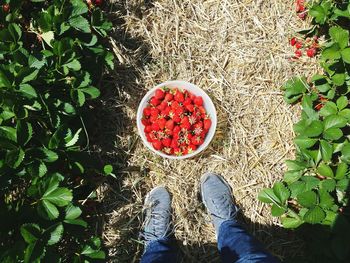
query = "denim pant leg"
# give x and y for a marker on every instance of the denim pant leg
(236, 245)
(160, 251)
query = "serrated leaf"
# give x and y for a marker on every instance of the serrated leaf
(55, 235)
(332, 52)
(27, 91)
(314, 129)
(345, 54)
(343, 184)
(30, 232)
(328, 109)
(72, 212)
(267, 195)
(290, 222)
(304, 142)
(340, 36)
(34, 252)
(14, 157)
(318, 13)
(339, 79)
(326, 200)
(325, 170)
(327, 185)
(74, 65)
(321, 83)
(342, 102)
(48, 37)
(295, 165)
(80, 23)
(60, 196)
(281, 192)
(48, 155)
(292, 176)
(341, 171)
(296, 188)
(91, 91)
(71, 141)
(37, 169)
(47, 210)
(79, 7)
(345, 113)
(326, 150)
(277, 211)
(332, 134)
(334, 121)
(314, 215)
(78, 222)
(24, 132)
(8, 133)
(307, 199)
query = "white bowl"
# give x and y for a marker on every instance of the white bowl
(208, 105)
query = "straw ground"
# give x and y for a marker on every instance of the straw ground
(237, 51)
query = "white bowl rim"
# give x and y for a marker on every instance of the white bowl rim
(144, 101)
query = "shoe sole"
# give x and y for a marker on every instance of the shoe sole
(203, 179)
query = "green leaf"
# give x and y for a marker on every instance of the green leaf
(326, 200)
(342, 102)
(339, 79)
(329, 108)
(341, 171)
(291, 222)
(326, 150)
(48, 155)
(304, 142)
(79, 7)
(307, 199)
(345, 54)
(37, 168)
(267, 195)
(108, 169)
(332, 134)
(73, 140)
(27, 91)
(277, 211)
(292, 176)
(74, 65)
(281, 192)
(345, 113)
(332, 52)
(8, 133)
(78, 96)
(14, 157)
(339, 35)
(48, 37)
(346, 152)
(30, 232)
(296, 188)
(294, 88)
(334, 121)
(314, 129)
(47, 210)
(56, 235)
(34, 252)
(324, 170)
(343, 184)
(80, 23)
(314, 215)
(72, 212)
(78, 222)
(327, 185)
(24, 132)
(28, 74)
(321, 83)
(91, 91)
(60, 196)
(4, 81)
(318, 13)
(295, 165)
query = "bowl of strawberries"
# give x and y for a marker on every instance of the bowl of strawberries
(176, 119)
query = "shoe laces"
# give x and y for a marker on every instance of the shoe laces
(224, 207)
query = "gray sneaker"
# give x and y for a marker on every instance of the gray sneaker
(157, 210)
(217, 198)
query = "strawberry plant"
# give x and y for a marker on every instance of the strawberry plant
(315, 188)
(52, 54)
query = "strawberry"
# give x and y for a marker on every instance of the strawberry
(161, 123)
(302, 16)
(157, 145)
(148, 129)
(155, 126)
(174, 144)
(179, 96)
(176, 118)
(177, 129)
(197, 140)
(298, 53)
(187, 101)
(6, 8)
(153, 118)
(191, 148)
(175, 105)
(145, 121)
(98, 2)
(166, 111)
(162, 106)
(293, 41)
(298, 45)
(191, 96)
(147, 111)
(168, 97)
(179, 111)
(198, 101)
(159, 94)
(170, 125)
(148, 137)
(177, 151)
(153, 136)
(189, 107)
(166, 142)
(311, 52)
(154, 101)
(207, 124)
(154, 112)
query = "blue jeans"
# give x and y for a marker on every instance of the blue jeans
(234, 244)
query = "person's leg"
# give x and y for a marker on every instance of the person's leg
(234, 243)
(159, 247)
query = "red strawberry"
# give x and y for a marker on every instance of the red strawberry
(197, 140)
(157, 145)
(166, 142)
(168, 97)
(154, 101)
(202, 110)
(190, 107)
(179, 111)
(153, 118)
(191, 148)
(174, 144)
(176, 118)
(302, 16)
(298, 45)
(170, 125)
(179, 96)
(147, 111)
(198, 101)
(162, 106)
(161, 123)
(154, 112)
(177, 129)
(153, 136)
(148, 129)
(192, 96)
(148, 137)
(175, 105)
(166, 111)
(187, 101)
(177, 152)
(207, 124)
(293, 41)
(155, 126)
(298, 53)
(6, 8)
(311, 52)
(145, 122)
(159, 94)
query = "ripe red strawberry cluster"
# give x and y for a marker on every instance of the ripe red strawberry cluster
(301, 9)
(309, 46)
(175, 121)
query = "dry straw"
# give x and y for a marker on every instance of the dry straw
(238, 52)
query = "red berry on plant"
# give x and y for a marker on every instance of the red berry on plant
(311, 52)
(298, 53)
(293, 41)
(298, 45)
